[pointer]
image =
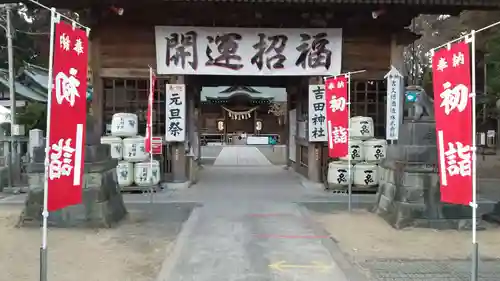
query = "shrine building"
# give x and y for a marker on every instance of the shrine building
(249, 67)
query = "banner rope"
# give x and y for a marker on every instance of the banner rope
(465, 37)
(63, 16)
(345, 73)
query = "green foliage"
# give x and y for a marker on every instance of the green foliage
(33, 116)
(493, 64)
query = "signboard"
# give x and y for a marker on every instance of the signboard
(157, 145)
(175, 125)
(317, 113)
(337, 98)
(248, 51)
(394, 92)
(68, 99)
(453, 113)
(272, 140)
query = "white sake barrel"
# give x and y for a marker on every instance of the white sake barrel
(125, 173)
(124, 125)
(361, 128)
(356, 151)
(338, 173)
(116, 146)
(365, 174)
(142, 172)
(134, 149)
(374, 149)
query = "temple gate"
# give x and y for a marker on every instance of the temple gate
(362, 34)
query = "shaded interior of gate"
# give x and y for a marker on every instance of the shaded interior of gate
(130, 95)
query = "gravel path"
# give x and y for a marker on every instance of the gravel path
(132, 251)
(385, 253)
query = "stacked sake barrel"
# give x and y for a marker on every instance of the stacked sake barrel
(134, 168)
(365, 153)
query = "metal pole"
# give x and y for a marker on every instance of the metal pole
(45, 213)
(349, 156)
(349, 167)
(12, 92)
(150, 102)
(473, 204)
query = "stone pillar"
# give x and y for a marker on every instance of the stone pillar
(314, 159)
(179, 165)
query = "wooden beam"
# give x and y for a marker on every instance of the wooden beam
(124, 73)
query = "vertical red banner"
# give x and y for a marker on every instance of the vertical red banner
(68, 116)
(337, 115)
(149, 119)
(453, 111)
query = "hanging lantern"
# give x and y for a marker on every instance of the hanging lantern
(220, 125)
(258, 125)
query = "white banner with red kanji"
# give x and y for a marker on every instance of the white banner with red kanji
(68, 113)
(451, 68)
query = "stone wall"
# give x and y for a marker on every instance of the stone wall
(402, 192)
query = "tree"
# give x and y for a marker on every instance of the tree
(30, 36)
(436, 30)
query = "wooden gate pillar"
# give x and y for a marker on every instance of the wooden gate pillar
(298, 140)
(97, 103)
(179, 165)
(286, 121)
(314, 148)
(192, 140)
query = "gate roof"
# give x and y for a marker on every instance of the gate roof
(462, 4)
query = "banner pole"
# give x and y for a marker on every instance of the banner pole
(150, 101)
(45, 212)
(349, 167)
(475, 248)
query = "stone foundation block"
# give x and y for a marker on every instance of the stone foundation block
(102, 202)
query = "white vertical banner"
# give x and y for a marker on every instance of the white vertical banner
(394, 97)
(317, 114)
(175, 123)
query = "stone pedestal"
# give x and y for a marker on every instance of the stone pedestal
(102, 205)
(409, 190)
